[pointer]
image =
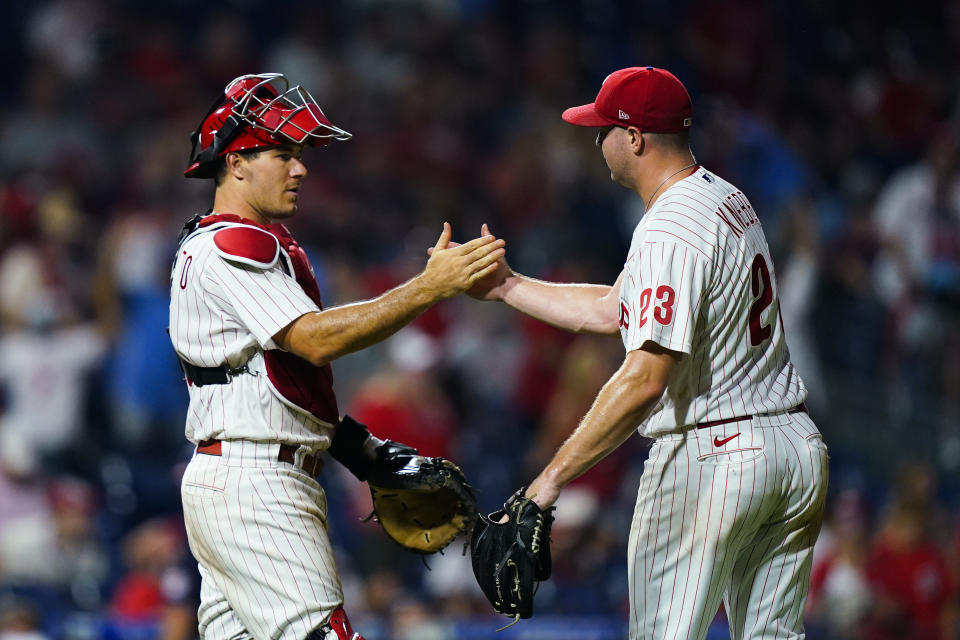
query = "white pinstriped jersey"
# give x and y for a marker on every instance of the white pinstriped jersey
(699, 279)
(225, 312)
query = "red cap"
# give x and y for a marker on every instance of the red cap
(648, 98)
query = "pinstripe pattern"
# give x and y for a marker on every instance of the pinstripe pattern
(735, 524)
(699, 239)
(735, 521)
(258, 530)
(256, 526)
(227, 313)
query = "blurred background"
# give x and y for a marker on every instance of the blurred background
(838, 119)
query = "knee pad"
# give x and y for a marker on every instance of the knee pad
(337, 628)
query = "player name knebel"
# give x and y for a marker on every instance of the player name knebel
(737, 212)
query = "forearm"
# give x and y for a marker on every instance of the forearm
(622, 404)
(327, 335)
(581, 308)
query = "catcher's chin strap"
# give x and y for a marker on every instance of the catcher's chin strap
(230, 129)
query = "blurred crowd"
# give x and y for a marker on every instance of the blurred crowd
(840, 121)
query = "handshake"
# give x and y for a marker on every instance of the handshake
(424, 503)
(477, 267)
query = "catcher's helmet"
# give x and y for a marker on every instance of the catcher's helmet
(258, 110)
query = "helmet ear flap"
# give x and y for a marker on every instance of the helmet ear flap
(225, 134)
(195, 140)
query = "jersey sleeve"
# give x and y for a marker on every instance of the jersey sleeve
(262, 300)
(662, 301)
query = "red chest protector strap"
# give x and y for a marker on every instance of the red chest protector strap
(302, 384)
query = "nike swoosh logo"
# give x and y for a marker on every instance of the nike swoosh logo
(719, 442)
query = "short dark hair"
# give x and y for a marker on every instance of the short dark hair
(671, 141)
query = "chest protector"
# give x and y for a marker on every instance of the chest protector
(300, 383)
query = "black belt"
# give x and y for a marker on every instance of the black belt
(201, 376)
(802, 407)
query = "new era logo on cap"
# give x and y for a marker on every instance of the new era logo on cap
(657, 102)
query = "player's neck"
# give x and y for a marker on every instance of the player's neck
(666, 172)
(226, 201)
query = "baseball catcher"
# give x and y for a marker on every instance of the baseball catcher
(422, 503)
(510, 551)
(256, 343)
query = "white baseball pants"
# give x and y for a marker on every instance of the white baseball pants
(258, 529)
(727, 517)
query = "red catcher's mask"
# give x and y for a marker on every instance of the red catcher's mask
(258, 110)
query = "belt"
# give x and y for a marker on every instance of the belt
(202, 376)
(715, 423)
(312, 463)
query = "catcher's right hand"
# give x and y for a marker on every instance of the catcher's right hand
(510, 559)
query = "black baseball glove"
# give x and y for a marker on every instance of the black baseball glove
(422, 503)
(511, 559)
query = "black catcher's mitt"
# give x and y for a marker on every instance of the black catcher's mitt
(422, 503)
(511, 559)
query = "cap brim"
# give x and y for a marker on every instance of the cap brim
(586, 116)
